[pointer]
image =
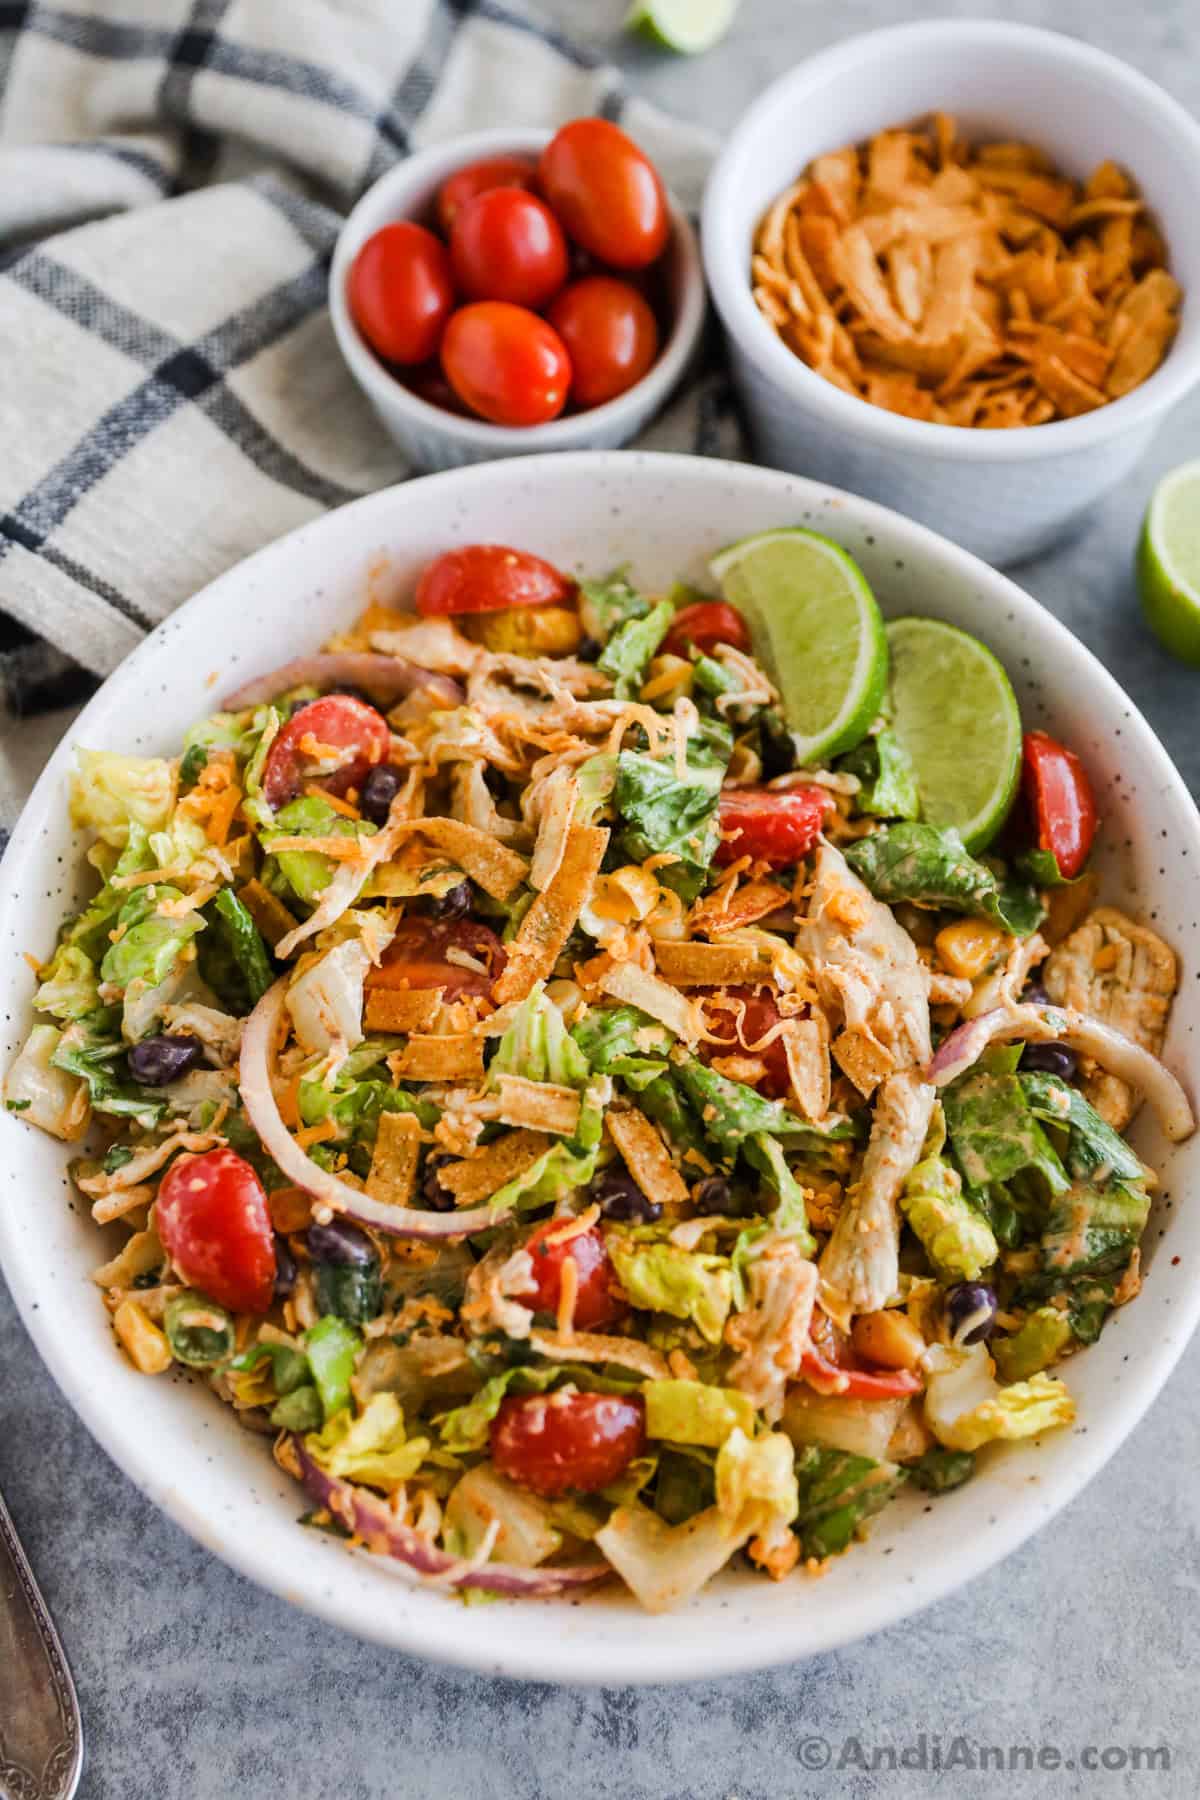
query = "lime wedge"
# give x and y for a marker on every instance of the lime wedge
(688, 26)
(1168, 562)
(955, 713)
(817, 631)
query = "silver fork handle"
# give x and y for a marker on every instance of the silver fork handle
(41, 1733)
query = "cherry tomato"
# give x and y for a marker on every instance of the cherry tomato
(706, 623)
(508, 245)
(212, 1217)
(1060, 798)
(485, 578)
(608, 196)
(596, 1302)
(742, 1017)
(416, 957)
(775, 828)
(477, 178)
(555, 1443)
(401, 292)
(505, 363)
(831, 1366)
(610, 334)
(339, 722)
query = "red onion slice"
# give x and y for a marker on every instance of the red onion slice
(1115, 1052)
(389, 678)
(258, 1040)
(370, 1517)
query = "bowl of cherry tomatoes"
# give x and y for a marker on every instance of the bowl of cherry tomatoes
(517, 291)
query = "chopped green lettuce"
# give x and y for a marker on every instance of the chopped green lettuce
(731, 1111)
(965, 1407)
(623, 1041)
(662, 1102)
(69, 987)
(930, 865)
(595, 780)
(604, 605)
(756, 1482)
(89, 931)
(956, 1237)
(663, 1277)
(837, 1493)
(538, 1046)
(685, 1484)
(256, 744)
(233, 955)
(331, 1346)
(1034, 1346)
(556, 1174)
(994, 1133)
(465, 1429)
(150, 942)
(110, 792)
(888, 780)
(372, 1448)
(940, 1471)
(665, 816)
(97, 1056)
(307, 872)
(631, 646)
(691, 1412)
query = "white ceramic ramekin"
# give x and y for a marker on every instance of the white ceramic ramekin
(433, 438)
(1005, 495)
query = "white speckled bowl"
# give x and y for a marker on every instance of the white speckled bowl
(665, 515)
(430, 436)
(1006, 495)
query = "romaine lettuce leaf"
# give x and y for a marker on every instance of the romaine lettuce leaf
(692, 1412)
(623, 1041)
(631, 646)
(372, 1449)
(110, 792)
(663, 815)
(538, 1046)
(1034, 1346)
(994, 1134)
(663, 1277)
(888, 780)
(732, 1112)
(98, 1058)
(69, 987)
(465, 1429)
(965, 1407)
(955, 1236)
(604, 605)
(837, 1493)
(756, 1482)
(929, 864)
(233, 954)
(307, 872)
(151, 942)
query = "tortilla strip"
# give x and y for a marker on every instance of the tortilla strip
(646, 1156)
(863, 1060)
(728, 910)
(658, 998)
(426, 1057)
(548, 924)
(477, 1178)
(590, 1346)
(498, 870)
(393, 1173)
(537, 1105)
(401, 1009)
(709, 965)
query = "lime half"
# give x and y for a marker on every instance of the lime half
(1168, 562)
(955, 713)
(688, 26)
(817, 630)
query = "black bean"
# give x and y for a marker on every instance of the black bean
(157, 1060)
(712, 1195)
(455, 904)
(777, 747)
(1035, 995)
(1051, 1059)
(619, 1197)
(352, 693)
(588, 649)
(378, 791)
(434, 1194)
(340, 1242)
(285, 1269)
(971, 1312)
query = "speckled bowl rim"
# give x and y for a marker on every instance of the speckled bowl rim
(741, 1622)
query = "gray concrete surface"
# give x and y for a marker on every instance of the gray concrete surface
(195, 1686)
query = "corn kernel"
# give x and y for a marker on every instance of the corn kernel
(528, 630)
(970, 946)
(144, 1344)
(889, 1339)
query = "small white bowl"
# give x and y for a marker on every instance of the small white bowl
(434, 438)
(1005, 495)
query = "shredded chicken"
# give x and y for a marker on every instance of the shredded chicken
(771, 1333)
(860, 1264)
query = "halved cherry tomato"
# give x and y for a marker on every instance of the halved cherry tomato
(337, 722)
(742, 1017)
(706, 623)
(596, 1301)
(416, 957)
(831, 1366)
(775, 828)
(508, 245)
(1061, 801)
(611, 337)
(477, 178)
(608, 196)
(506, 363)
(485, 578)
(562, 1442)
(211, 1215)
(401, 292)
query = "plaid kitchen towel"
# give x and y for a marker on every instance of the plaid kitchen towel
(173, 174)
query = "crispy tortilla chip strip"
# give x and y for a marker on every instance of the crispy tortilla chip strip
(537, 1105)
(770, 235)
(268, 912)
(646, 1156)
(478, 1177)
(910, 269)
(863, 280)
(1140, 354)
(709, 965)
(889, 161)
(427, 1057)
(1108, 181)
(837, 176)
(817, 240)
(953, 290)
(730, 909)
(401, 1009)
(1070, 392)
(548, 924)
(1088, 210)
(393, 1173)
(862, 1059)
(498, 870)
(636, 987)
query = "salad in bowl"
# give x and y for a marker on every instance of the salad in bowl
(610, 1082)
